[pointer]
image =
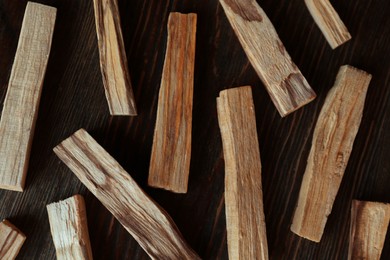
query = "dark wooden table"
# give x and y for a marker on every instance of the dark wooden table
(73, 97)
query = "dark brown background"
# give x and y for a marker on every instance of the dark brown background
(73, 97)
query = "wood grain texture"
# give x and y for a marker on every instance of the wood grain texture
(369, 223)
(73, 97)
(245, 221)
(11, 240)
(23, 95)
(113, 60)
(69, 229)
(110, 183)
(327, 19)
(333, 138)
(171, 150)
(285, 83)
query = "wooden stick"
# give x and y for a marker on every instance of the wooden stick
(283, 80)
(11, 240)
(149, 224)
(69, 228)
(334, 30)
(369, 223)
(113, 61)
(332, 143)
(171, 152)
(246, 230)
(21, 103)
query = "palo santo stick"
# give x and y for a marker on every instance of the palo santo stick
(283, 80)
(11, 240)
(369, 223)
(246, 230)
(24, 91)
(171, 152)
(329, 22)
(69, 228)
(149, 224)
(332, 143)
(113, 61)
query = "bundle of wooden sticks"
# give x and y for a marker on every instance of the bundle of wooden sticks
(154, 230)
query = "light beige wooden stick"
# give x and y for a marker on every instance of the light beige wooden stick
(334, 30)
(283, 80)
(149, 224)
(333, 138)
(11, 240)
(369, 223)
(21, 103)
(69, 229)
(113, 61)
(171, 151)
(246, 230)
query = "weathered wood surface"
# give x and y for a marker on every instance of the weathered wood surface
(11, 240)
(333, 138)
(149, 224)
(245, 221)
(284, 82)
(369, 224)
(113, 60)
(69, 229)
(73, 97)
(171, 151)
(21, 103)
(329, 22)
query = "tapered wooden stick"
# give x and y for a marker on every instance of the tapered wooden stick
(21, 103)
(171, 152)
(113, 61)
(149, 224)
(69, 229)
(332, 143)
(369, 223)
(11, 240)
(283, 80)
(334, 30)
(246, 231)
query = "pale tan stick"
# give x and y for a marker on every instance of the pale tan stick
(369, 223)
(24, 91)
(113, 61)
(329, 22)
(246, 230)
(333, 138)
(283, 80)
(11, 240)
(149, 224)
(69, 229)
(171, 152)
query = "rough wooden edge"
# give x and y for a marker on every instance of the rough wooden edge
(69, 228)
(170, 160)
(369, 223)
(329, 22)
(334, 134)
(11, 240)
(113, 60)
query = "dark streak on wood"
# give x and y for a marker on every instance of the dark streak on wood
(248, 13)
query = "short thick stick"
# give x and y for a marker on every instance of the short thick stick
(113, 61)
(171, 152)
(332, 143)
(69, 229)
(149, 224)
(283, 80)
(246, 230)
(369, 223)
(329, 22)
(11, 240)
(24, 92)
